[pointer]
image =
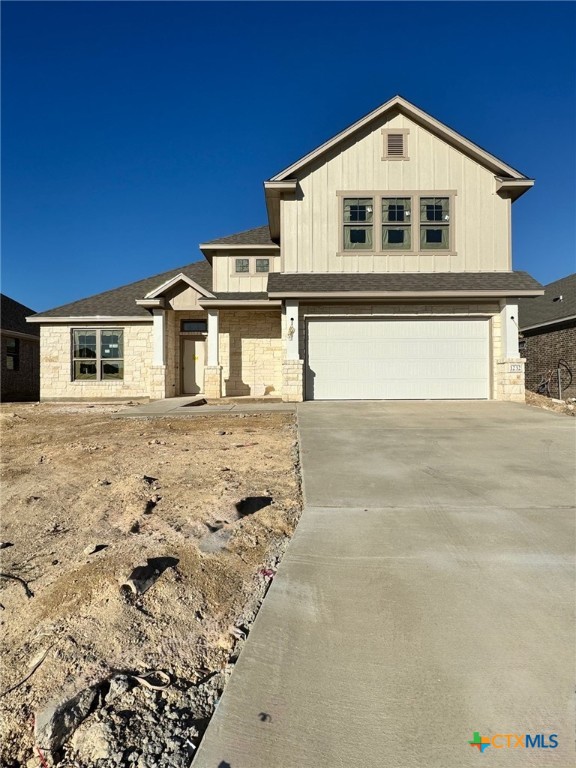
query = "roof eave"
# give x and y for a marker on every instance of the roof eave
(274, 192)
(499, 294)
(70, 319)
(255, 303)
(548, 323)
(514, 188)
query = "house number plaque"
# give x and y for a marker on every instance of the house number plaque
(515, 368)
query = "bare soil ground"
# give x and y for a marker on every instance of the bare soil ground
(76, 478)
(540, 401)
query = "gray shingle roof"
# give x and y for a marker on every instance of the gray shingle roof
(256, 236)
(417, 282)
(122, 301)
(544, 310)
(13, 316)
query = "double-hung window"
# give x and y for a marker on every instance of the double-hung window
(434, 223)
(97, 354)
(358, 223)
(12, 354)
(396, 223)
(401, 222)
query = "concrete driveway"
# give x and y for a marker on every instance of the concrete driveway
(428, 594)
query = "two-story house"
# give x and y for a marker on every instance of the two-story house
(384, 272)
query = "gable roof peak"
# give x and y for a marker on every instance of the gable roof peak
(452, 137)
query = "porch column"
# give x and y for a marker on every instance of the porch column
(292, 329)
(213, 323)
(158, 369)
(510, 366)
(213, 369)
(159, 343)
(509, 315)
(292, 366)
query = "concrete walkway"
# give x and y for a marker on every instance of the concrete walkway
(428, 594)
(186, 406)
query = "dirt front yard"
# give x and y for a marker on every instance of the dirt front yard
(204, 505)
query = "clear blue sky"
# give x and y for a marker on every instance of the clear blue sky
(133, 131)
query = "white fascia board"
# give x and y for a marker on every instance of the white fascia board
(151, 303)
(286, 185)
(256, 303)
(174, 281)
(237, 247)
(435, 126)
(91, 319)
(400, 294)
(549, 322)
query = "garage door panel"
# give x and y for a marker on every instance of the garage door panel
(397, 359)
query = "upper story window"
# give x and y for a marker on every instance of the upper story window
(396, 223)
(358, 223)
(409, 222)
(12, 354)
(98, 354)
(434, 223)
(251, 266)
(395, 144)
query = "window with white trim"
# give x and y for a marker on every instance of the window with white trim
(262, 265)
(242, 265)
(97, 354)
(407, 222)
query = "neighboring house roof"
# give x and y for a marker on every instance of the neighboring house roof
(504, 283)
(402, 105)
(13, 316)
(121, 302)
(256, 236)
(544, 310)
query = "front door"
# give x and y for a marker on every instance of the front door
(193, 354)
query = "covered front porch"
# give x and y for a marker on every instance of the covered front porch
(219, 348)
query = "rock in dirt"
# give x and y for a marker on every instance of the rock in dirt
(144, 576)
(91, 549)
(118, 686)
(56, 723)
(4, 544)
(215, 541)
(92, 742)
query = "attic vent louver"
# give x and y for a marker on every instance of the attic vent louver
(395, 144)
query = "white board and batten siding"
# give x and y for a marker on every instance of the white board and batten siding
(397, 359)
(311, 223)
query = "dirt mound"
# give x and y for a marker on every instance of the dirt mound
(87, 499)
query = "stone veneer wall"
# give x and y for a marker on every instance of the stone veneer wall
(293, 381)
(498, 375)
(56, 364)
(251, 352)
